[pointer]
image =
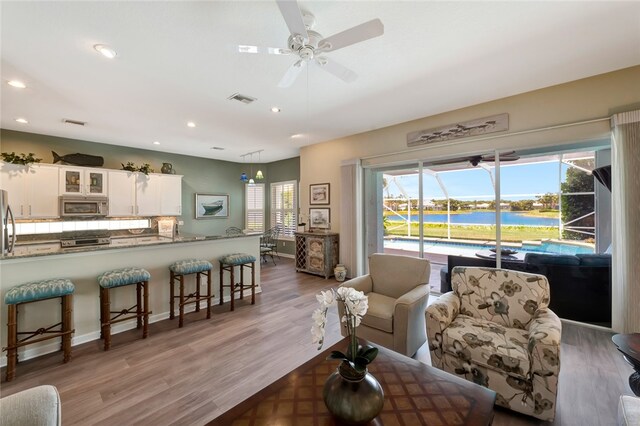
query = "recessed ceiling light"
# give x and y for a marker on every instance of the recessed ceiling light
(22, 120)
(191, 124)
(297, 136)
(247, 49)
(275, 109)
(17, 83)
(105, 50)
(156, 143)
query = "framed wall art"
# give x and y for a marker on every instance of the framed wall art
(212, 206)
(320, 218)
(319, 194)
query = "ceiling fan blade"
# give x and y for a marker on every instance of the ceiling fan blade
(244, 48)
(291, 74)
(362, 32)
(340, 71)
(293, 17)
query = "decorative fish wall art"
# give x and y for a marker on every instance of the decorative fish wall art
(78, 159)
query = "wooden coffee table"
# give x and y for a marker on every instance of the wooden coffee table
(414, 394)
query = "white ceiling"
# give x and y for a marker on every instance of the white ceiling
(178, 61)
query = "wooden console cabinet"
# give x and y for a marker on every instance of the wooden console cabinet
(316, 252)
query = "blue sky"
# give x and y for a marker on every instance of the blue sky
(536, 178)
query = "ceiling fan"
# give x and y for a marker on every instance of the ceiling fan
(310, 46)
(475, 160)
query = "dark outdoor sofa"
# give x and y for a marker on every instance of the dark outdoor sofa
(580, 285)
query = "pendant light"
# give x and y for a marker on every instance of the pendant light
(243, 175)
(251, 181)
(259, 175)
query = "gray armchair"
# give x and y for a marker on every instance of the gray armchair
(39, 406)
(398, 293)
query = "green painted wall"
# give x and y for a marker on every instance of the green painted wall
(201, 175)
(280, 171)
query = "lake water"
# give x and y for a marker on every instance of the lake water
(484, 218)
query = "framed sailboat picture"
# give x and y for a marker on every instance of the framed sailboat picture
(212, 206)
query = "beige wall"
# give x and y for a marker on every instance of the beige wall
(591, 98)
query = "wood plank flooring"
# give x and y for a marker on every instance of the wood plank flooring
(191, 375)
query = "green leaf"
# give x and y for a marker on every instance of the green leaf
(368, 352)
(360, 364)
(337, 355)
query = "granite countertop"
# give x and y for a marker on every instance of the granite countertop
(52, 247)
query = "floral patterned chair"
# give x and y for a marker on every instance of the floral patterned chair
(495, 329)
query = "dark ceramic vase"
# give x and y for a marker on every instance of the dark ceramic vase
(354, 399)
(167, 168)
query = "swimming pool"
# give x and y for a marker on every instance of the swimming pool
(455, 247)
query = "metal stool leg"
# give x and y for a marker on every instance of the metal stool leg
(67, 309)
(139, 305)
(253, 283)
(145, 327)
(221, 284)
(172, 296)
(181, 306)
(242, 281)
(233, 286)
(209, 294)
(12, 341)
(197, 291)
(105, 314)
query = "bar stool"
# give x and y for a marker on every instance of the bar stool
(36, 291)
(177, 272)
(119, 278)
(228, 263)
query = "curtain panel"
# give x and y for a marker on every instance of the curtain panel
(626, 224)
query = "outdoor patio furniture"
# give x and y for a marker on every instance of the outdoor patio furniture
(580, 285)
(496, 330)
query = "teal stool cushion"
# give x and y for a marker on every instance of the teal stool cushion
(190, 266)
(237, 259)
(38, 290)
(125, 276)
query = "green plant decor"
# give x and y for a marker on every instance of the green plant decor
(21, 158)
(131, 167)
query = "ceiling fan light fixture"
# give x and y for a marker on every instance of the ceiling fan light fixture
(17, 84)
(105, 51)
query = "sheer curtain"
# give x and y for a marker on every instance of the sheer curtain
(626, 221)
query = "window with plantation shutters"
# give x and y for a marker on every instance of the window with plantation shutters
(254, 207)
(284, 207)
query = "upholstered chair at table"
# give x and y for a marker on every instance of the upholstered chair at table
(495, 329)
(398, 292)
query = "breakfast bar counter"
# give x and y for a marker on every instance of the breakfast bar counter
(83, 265)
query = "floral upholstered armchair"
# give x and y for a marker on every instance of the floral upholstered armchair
(495, 329)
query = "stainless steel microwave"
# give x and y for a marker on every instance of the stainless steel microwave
(84, 206)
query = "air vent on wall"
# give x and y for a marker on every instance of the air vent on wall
(76, 122)
(241, 98)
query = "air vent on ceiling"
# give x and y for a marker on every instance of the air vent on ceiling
(241, 98)
(76, 122)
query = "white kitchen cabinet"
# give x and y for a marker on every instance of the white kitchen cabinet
(83, 181)
(33, 190)
(170, 195)
(158, 195)
(148, 194)
(122, 193)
